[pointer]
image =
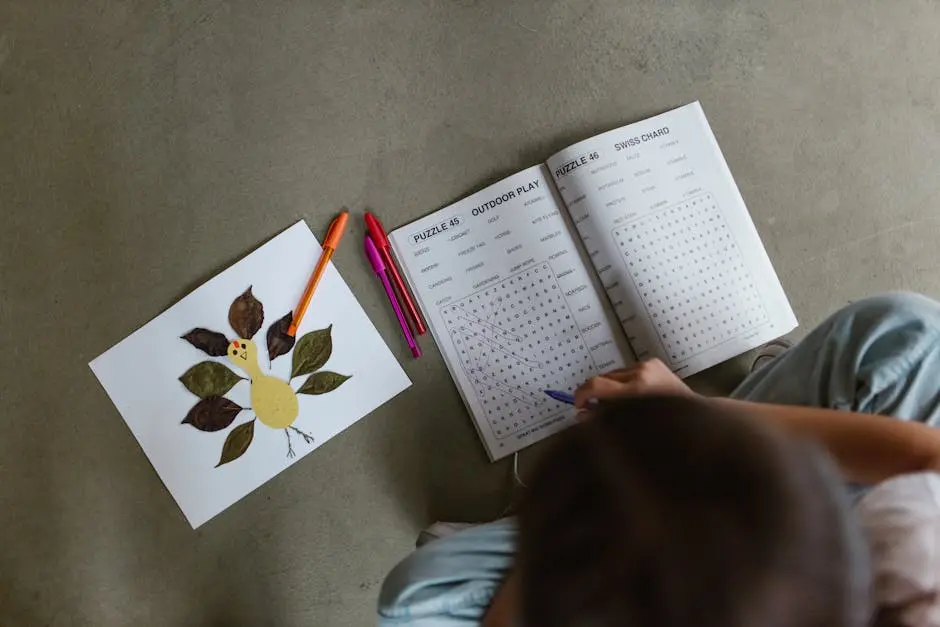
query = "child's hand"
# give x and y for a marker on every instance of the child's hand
(644, 379)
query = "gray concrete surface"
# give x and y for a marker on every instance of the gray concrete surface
(146, 144)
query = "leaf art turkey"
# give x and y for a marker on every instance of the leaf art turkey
(273, 400)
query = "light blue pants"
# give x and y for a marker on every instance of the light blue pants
(880, 355)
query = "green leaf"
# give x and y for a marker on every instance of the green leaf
(212, 414)
(312, 352)
(209, 378)
(209, 342)
(279, 342)
(246, 315)
(237, 442)
(323, 382)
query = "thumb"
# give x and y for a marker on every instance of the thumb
(599, 388)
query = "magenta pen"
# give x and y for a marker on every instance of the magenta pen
(375, 260)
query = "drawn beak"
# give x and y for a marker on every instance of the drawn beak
(244, 356)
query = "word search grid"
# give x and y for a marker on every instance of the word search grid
(691, 276)
(515, 339)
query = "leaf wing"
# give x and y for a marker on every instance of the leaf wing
(212, 414)
(246, 315)
(313, 350)
(279, 342)
(323, 382)
(237, 442)
(209, 378)
(209, 342)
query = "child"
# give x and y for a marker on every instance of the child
(666, 508)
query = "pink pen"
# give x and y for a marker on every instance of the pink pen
(375, 259)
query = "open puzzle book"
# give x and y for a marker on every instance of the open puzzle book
(221, 399)
(672, 257)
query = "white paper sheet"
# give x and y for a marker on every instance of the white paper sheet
(141, 375)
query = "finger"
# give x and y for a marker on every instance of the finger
(584, 414)
(598, 387)
(623, 376)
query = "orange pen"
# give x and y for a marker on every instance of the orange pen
(329, 246)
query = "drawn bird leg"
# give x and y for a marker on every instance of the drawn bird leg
(306, 436)
(290, 449)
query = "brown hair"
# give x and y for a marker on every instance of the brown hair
(673, 512)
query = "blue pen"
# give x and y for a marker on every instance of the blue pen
(568, 399)
(561, 397)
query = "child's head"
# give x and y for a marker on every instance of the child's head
(671, 512)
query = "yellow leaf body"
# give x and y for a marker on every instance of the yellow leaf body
(272, 399)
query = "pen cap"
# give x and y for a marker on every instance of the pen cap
(372, 254)
(375, 229)
(336, 230)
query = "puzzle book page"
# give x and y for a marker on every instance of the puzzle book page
(511, 305)
(221, 399)
(671, 240)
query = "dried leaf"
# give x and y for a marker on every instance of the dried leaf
(237, 442)
(323, 382)
(279, 342)
(312, 351)
(212, 414)
(209, 378)
(246, 315)
(209, 342)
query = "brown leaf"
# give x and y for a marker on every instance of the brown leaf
(212, 414)
(323, 382)
(209, 378)
(237, 442)
(313, 350)
(246, 315)
(279, 342)
(209, 342)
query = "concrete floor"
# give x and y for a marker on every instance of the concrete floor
(146, 144)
